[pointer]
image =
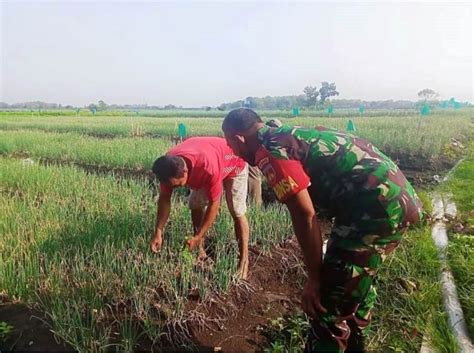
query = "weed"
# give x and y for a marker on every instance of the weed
(5, 330)
(287, 334)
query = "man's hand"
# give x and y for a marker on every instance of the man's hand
(311, 300)
(193, 242)
(162, 214)
(156, 242)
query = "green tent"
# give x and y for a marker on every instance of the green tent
(350, 126)
(182, 131)
(425, 110)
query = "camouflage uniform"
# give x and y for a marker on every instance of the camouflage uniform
(371, 203)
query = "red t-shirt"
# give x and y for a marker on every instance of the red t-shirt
(212, 161)
(286, 176)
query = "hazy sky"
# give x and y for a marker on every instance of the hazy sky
(206, 53)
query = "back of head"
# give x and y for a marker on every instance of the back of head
(240, 120)
(167, 167)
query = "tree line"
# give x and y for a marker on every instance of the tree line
(312, 98)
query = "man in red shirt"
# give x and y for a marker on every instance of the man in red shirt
(206, 165)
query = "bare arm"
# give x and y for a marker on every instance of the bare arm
(163, 212)
(308, 233)
(162, 215)
(306, 227)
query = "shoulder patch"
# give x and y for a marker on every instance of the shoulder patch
(267, 169)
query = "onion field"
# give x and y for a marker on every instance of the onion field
(78, 207)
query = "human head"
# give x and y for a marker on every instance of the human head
(171, 170)
(240, 128)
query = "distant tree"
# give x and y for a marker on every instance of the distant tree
(299, 101)
(326, 91)
(427, 94)
(250, 102)
(102, 105)
(269, 102)
(282, 102)
(311, 94)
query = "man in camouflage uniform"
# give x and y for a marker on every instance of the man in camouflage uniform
(350, 181)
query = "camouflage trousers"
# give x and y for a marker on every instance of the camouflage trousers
(358, 245)
(348, 294)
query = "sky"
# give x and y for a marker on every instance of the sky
(206, 53)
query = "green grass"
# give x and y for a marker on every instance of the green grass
(409, 134)
(461, 246)
(461, 261)
(202, 113)
(71, 147)
(409, 301)
(409, 305)
(461, 185)
(214, 113)
(76, 246)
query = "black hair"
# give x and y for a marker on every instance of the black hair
(167, 167)
(240, 120)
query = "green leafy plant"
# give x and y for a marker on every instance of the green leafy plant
(5, 330)
(287, 334)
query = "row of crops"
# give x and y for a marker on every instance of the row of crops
(75, 244)
(72, 147)
(202, 113)
(424, 136)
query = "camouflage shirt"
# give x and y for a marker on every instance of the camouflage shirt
(342, 172)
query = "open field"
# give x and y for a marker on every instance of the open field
(202, 113)
(399, 137)
(127, 152)
(74, 245)
(129, 223)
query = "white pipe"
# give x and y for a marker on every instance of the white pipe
(438, 207)
(450, 297)
(450, 210)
